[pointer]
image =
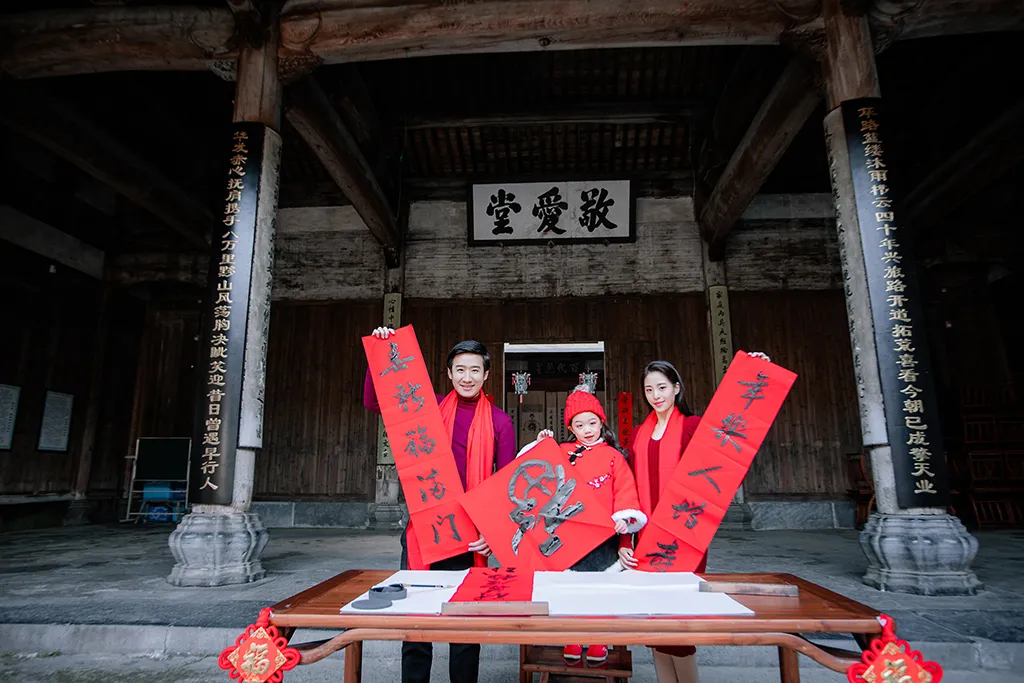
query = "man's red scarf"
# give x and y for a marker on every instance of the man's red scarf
(479, 461)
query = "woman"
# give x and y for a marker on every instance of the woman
(657, 447)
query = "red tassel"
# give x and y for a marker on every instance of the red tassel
(260, 654)
(891, 659)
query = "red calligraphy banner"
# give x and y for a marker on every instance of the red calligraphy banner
(714, 464)
(495, 584)
(535, 514)
(421, 446)
(625, 415)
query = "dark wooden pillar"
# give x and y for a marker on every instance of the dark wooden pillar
(229, 408)
(911, 543)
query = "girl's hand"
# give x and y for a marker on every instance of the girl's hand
(758, 354)
(382, 332)
(545, 434)
(626, 559)
(620, 526)
(480, 546)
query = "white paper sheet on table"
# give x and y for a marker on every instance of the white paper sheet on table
(418, 600)
(581, 594)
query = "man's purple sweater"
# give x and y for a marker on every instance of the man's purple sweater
(504, 435)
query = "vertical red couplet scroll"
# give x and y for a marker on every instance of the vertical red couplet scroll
(625, 415)
(420, 445)
(714, 464)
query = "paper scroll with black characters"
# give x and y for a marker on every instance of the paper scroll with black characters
(535, 514)
(421, 446)
(713, 465)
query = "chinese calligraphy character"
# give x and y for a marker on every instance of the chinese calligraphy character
(704, 473)
(255, 661)
(553, 513)
(692, 509)
(395, 363)
(666, 558)
(733, 426)
(925, 486)
(208, 485)
(440, 523)
(437, 489)
(594, 211)
(404, 396)
(755, 390)
(548, 209)
(499, 208)
(425, 445)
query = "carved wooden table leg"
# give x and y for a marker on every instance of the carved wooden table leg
(354, 662)
(789, 665)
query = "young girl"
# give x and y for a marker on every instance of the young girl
(657, 446)
(594, 454)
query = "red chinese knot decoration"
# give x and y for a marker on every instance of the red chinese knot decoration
(260, 654)
(890, 660)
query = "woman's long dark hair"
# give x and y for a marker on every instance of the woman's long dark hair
(669, 370)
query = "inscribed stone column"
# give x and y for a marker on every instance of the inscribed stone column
(912, 545)
(737, 517)
(221, 541)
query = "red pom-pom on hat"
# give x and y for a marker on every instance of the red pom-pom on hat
(582, 401)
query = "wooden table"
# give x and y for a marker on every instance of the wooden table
(776, 621)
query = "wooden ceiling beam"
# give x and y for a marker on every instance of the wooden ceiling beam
(341, 31)
(100, 39)
(630, 112)
(993, 151)
(779, 120)
(56, 125)
(310, 112)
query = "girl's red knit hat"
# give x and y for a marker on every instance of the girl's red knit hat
(582, 401)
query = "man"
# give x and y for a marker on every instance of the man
(483, 440)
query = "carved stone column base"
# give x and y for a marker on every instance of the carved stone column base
(218, 548)
(384, 516)
(78, 512)
(919, 554)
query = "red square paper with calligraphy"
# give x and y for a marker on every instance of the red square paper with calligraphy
(662, 551)
(535, 513)
(495, 584)
(442, 531)
(429, 484)
(754, 387)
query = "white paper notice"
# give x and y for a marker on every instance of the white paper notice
(418, 600)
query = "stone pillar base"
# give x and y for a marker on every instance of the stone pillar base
(385, 516)
(737, 518)
(218, 549)
(919, 554)
(78, 512)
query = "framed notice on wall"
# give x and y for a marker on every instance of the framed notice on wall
(560, 210)
(55, 430)
(9, 396)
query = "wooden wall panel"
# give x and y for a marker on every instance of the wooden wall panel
(805, 452)
(319, 442)
(48, 330)
(635, 331)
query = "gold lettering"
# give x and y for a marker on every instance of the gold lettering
(913, 405)
(925, 486)
(221, 325)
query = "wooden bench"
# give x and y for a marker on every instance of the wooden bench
(547, 661)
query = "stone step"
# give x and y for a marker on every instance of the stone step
(161, 641)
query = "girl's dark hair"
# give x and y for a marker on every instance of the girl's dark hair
(609, 438)
(473, 347)
(669, 370)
